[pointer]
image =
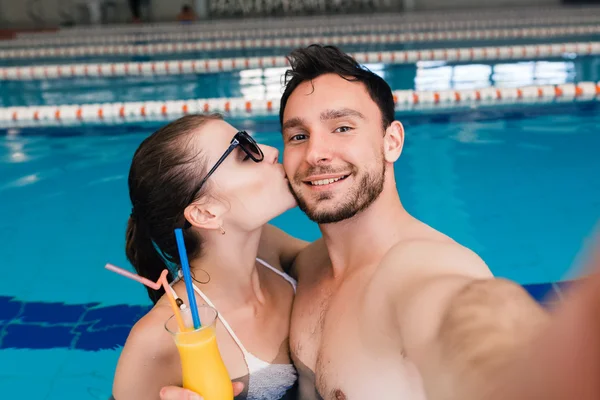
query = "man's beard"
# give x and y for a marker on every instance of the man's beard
(360, 197)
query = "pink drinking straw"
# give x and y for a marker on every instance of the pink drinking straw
(162, 281)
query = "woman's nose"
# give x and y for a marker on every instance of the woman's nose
(271, 153)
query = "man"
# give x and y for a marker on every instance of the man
(387, 307)
(186, 14)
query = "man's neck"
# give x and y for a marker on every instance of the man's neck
(365, 238)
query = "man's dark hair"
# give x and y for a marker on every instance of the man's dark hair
(315, 60)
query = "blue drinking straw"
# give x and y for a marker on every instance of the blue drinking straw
(187, 276)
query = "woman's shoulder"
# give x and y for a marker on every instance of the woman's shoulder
(149, 336)
(148, 359)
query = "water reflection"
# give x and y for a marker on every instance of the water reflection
(14, 150)
(438, 75)
(261, 83)
(267, 83)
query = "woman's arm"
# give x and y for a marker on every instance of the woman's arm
(149, 360)
(275, 244)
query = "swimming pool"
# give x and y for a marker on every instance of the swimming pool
(516, 184)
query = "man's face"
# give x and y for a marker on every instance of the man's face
(333, 148)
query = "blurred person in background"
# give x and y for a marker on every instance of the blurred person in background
(186, 14)
(135, 7)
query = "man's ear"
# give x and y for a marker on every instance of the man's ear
(393, 142)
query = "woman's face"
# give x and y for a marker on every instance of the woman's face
(254, 193)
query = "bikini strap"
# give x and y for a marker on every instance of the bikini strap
(285, 276)
(223, 321)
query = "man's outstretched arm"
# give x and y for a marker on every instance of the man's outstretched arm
(485, 326)
(456, 323)
(516, 353)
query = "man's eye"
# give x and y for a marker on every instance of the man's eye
(298, 137)
(343, 129)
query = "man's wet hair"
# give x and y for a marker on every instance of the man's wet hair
(315, 60)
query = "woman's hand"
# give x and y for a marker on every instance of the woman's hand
(177, 393)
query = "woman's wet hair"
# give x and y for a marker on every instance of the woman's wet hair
(164, 173)
(313, 61)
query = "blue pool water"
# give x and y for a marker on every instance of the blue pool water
(518, 186)
(522, 191)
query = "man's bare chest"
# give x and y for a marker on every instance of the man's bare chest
(323, 334)
(321, 307)
(336, 339)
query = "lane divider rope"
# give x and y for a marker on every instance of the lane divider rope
(405, 100)
(390, 38)
(391, 26)
(561, 12)
(207, 66)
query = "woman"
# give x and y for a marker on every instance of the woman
(199, 173)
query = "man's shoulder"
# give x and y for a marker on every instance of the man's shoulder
(431, 256)
(415, 278)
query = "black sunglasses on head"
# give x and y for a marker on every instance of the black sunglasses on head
(246, 143)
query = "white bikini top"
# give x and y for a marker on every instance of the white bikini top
(266, 381)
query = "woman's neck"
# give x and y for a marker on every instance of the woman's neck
(230, 262)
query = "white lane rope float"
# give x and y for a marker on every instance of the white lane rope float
(287, 43)
(485, 16)
(207, 66)
(405, 100)
(383, 26)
